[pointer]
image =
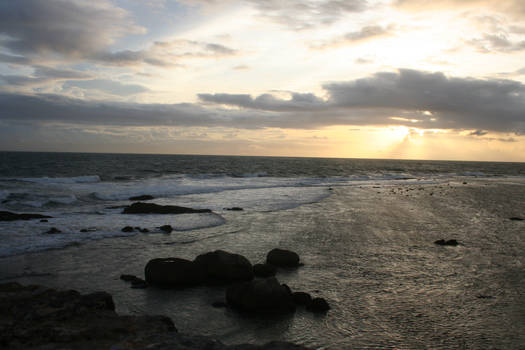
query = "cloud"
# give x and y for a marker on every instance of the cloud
(478, 133)
(71, 28)
(14, 59)
(364, 34)
(407, 97)
(107, 86)
(514, 8)
(42, 75)
(498, 42)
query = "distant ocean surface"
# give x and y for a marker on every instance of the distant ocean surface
(79, 189)
(364, 229)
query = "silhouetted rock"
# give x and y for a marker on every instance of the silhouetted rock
(302, 298)
(318, 305)
(173, 272)
(144, 230)
(516, 218)
(152, 208)
(235, 209)
(144, 197)
(264, 270)
(224, 267)
(282, 258)
(450, 242)
(166, 228)
(260, 296)
(8, 216)
(53, 231)
(44, 220)
(127, 229)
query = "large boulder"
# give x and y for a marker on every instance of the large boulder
(152, 208)
(224, 267)
(282, 258)
(173, 272)
(264, 270)
(261, 296)
(8, 216)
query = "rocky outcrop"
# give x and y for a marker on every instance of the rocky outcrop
(282, 258)
(8, 216)
(152, 208)
(35, 317)
(264, 270)
(318, 305)
(261, 296)
(222, 267)
(144, 197)
(173, 272)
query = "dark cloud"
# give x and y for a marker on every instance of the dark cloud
(478, 133)
(42, 75)
(14, 59)
(408, 97)
(66, 27)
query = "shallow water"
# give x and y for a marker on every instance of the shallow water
(367, 249)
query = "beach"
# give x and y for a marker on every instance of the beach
(368, 249)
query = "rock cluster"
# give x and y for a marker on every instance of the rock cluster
(152, 208)
(8, 216)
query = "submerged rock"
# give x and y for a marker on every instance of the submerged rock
(234, 209)
(53, 230)
(261, 296)
(173, 272)
(144, 197)
(450, 242)
(166, 228)
(152, 208)
(516, 218)
(282, 258)
(264, 270)
(8, 216)
(127, 229)
(224, 267)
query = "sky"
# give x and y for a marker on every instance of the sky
(405, 79)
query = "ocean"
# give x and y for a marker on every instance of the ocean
(364, 229)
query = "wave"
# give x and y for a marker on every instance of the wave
(61, 180)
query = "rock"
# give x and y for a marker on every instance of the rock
(282, 258)
(44, 220)
(235, 209)
(516, 218)
(173, 272)
(8, 216)
(152, 208)
(224, 267)
(139, 283)
(260, 296)
(166, 228)
(128, 278)
(127, 229)
(53, 230)
(264, 270)
(318, 305)
(144, 197)
(144, 230)
(450, 242)
(302, 298)
(90, 229)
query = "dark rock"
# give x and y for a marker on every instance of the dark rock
(128, 278)
(484, 296)
(264, 270)
(90, 229)
(515, 218)
(152, 208)
(219, 304)
(173, 272)
(235, 209)
(44, 220)
(282, 258)
(302, 298)
(144, 230)
(8, 216)
(224, 267)
(53, 230)
(166, 228)
(450, 242)
(318, 305)
(261, 296)
(144, 197)
(127, 229)
(139, 283)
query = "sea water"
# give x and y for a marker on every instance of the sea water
(363, 228)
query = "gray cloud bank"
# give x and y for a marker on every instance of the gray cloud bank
(407, 97)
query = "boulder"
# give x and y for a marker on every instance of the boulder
(173, 272)
(516, 218)
(166, 228)
(450, 242)
(318, 305)
(224, 267)
(53, 230)
(282, 258)
(127, 229)
(144, 197)
(264, 270)
(152, 208)
(8, 216)
(234, 209)
(260, 296)
(302, 298)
